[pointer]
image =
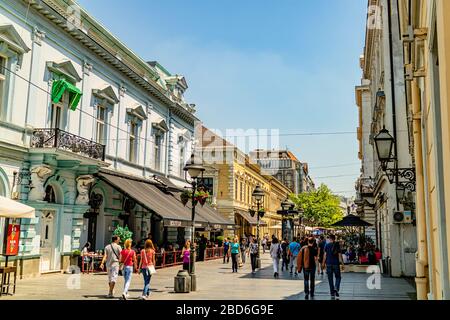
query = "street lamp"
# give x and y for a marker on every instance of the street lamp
(258, 194)
(195, 171)
(287, 211)
(383, 144)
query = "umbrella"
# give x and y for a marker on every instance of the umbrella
(352, 221)
(13, 209)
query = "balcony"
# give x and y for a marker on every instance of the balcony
(62, 140)
(365, 187)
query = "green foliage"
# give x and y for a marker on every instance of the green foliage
(76, 253)
(220, 240)
(321, 207)
(124, 233)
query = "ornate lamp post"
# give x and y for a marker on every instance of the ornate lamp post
(258, 195)
(287, 212)
(384, 143)
(195, 171)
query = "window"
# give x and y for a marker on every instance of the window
(182, 155)
(101, 121)
(56, 112)
(158, 145)
(242, 192)
(2, 82)
(235, 189)
(208, 183)
(133, 142)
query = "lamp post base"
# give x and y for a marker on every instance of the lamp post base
(258, 263)
(193, 282)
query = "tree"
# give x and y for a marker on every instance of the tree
(321, 207)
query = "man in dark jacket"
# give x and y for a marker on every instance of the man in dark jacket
(306, 261)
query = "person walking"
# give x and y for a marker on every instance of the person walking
(146, 264)
(333, 261)
(186, 255)
(264, 243)
(294, 248)
(306, 261)
(129, 261)
(244, 249)
(226, 249)
(235, 250)
(320, 255)
(275, 254)
(253, 252)
(112, 258)
(284, 249)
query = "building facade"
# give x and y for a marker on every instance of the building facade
(382, 104)
(233, 178)
(425, 28)
(79, 114)
(285, 166)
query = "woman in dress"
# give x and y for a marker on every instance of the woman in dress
(147, 260)
(128, 258)
(186, 255)
(275, 254)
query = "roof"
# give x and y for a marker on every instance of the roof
(211, 139)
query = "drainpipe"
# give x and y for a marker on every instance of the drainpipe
(422, 252)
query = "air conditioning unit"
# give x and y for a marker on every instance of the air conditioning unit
(402, 217)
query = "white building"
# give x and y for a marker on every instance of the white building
(131, 120)
(381, 100)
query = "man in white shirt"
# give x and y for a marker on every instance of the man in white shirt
(112, 258)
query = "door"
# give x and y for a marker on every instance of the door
(47, 245)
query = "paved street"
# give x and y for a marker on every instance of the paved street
(215, 281)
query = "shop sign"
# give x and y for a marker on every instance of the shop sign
(12, 240)
(199, 225)
(217, 226)
(175, 223)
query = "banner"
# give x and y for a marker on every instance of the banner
(12, 240)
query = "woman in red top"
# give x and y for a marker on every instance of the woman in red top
(147, 260)
(128, 258)
(378, 254)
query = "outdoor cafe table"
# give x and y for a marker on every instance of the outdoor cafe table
(5, 279)
(95, 258)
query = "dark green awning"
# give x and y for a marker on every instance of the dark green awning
(58, 89)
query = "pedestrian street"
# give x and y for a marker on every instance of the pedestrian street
(215, 280)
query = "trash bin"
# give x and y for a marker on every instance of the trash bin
(182, 282)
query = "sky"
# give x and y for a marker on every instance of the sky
(289, 65)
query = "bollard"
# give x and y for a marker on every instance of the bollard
(182, 282)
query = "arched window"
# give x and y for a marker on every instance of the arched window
(50, 195)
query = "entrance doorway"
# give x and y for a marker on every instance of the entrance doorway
(47, 244)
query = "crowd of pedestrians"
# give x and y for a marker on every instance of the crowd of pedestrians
(306, 255)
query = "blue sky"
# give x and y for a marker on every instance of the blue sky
(257, 64)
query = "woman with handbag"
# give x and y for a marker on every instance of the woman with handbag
(275, 253)
(129, 264)
(147, 266)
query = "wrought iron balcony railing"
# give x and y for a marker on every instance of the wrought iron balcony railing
(60, 139)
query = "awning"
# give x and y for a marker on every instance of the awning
(149, 196)
(165, 204)
(250, 219)
(13, 209)
(58, 89)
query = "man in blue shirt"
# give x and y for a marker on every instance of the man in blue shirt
(226, 247)
(294, 249)
(333, 259)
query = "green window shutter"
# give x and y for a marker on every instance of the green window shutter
(58, 89)
(75, 96)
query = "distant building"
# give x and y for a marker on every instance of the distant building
(284, 165)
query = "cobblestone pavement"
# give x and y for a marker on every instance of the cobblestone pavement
(214, 281)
